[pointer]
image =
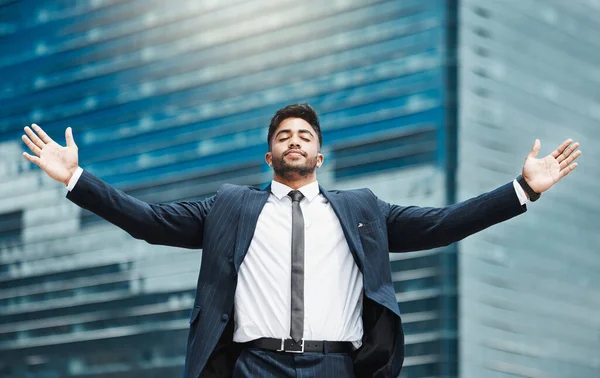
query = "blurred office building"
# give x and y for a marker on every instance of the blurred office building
(528, 288)
(426, 102)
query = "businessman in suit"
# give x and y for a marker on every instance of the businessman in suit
(295, 280)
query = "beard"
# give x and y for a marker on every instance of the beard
(297, 168)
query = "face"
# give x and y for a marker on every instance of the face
(294, 149)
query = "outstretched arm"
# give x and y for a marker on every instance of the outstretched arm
(177, 224)
(414, 228)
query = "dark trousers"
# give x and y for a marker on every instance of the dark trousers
(267, 364)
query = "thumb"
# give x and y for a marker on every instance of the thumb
(535, 150)
(69, 137)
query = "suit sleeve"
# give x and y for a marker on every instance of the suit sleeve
(178, 224)
(412, 228)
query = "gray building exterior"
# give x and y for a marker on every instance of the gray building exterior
(529, 303)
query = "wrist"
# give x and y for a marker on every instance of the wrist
(531, 194)
(70, 176)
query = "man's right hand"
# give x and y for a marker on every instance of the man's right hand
(57, 161)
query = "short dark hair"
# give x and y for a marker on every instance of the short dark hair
(303, 111)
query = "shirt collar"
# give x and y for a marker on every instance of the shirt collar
(310, 191)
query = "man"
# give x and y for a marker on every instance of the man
(295, 280)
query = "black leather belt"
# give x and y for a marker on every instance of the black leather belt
(288, 345)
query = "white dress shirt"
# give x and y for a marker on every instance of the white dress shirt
(333, 284)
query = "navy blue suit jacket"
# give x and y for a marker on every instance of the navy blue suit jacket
(223, 225)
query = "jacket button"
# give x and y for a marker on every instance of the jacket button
(225, 317)
(231, 260)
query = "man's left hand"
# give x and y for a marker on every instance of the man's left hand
(541, 174)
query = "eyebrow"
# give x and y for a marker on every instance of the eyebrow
(301, 131)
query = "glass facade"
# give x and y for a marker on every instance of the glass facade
(169, 102)
(529, 287)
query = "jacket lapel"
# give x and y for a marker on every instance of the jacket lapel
(349, 223)
(253, 202)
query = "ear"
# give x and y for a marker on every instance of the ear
(269, 158)
(320, 159)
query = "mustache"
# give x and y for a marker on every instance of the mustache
(295, 150)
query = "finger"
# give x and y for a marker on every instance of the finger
(561, 148)
(535, 150)
(34, 138)
(34, 159)
(43, 136)
(567, 170)
(565, 154)
(35, 149)
(69, 137)
(570, 159)
(571, 149)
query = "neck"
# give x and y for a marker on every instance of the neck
(295, 182)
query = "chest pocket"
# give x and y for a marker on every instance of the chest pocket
(372, 236)
(370, 227)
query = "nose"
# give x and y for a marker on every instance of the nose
(294, 142)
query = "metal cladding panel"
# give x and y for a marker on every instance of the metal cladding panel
(529, 287)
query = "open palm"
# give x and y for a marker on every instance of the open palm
(57, 161)
(541, 174)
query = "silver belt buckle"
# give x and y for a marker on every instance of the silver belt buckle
(293, 348)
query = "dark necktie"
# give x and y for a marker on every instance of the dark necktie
(297, 304)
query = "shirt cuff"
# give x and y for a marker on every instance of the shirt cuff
(520, 192)
(74, 178)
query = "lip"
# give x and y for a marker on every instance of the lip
(297, 153)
